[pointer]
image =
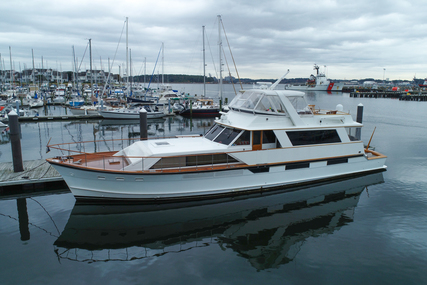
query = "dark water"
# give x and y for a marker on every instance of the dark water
(366, 230)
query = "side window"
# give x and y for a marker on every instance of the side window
(268, 137)
(313, 137)
(244, 139)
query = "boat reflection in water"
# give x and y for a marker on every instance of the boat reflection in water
(268, 230)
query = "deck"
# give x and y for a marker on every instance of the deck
(35, 171)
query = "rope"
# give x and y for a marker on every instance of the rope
(229, 72)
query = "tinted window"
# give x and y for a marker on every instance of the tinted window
(214, 132)
(227, 136)
(313, 137)
(268, 137)
(244, 139)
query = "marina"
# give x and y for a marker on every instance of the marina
(361, 229)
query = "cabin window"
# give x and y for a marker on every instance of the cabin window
(227, 136)
(313, 137)
(251, 101)
(354, 134)
(268, 137)
(169, 162)
(265, 105)
(269, 140)
(241, 99)
(337, 161)
(280, 108)
(300, 105)
(209, 159)
(258, 102)
(244, 139)
(213, 132)
(196, 160)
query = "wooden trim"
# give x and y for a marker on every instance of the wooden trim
(118, 168)
(376, 155)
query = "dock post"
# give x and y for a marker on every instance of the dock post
(359, 119)
(15, 142)
(143, 134)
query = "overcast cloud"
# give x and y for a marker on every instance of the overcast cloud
(353, 39)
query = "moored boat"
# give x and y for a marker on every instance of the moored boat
(268, 139)
(130, 113)
(203, 107)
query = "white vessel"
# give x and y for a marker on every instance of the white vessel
(131, 113)
(317, 82)
(268, 139)
(85, 110)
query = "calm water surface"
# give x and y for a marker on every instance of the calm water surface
(366, 230)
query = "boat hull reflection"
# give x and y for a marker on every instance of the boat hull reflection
(268, 230)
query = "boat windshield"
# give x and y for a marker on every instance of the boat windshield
(300, 105)
(222, 134)
(258, 102)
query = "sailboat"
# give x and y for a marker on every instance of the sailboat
(205, 107)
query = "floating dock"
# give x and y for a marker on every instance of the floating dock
(403, 96)
(59, 118)
(36, 173)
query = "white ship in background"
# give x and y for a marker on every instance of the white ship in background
(317, 82)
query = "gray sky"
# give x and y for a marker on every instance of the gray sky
(353, 39)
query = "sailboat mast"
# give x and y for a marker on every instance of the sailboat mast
(204, 64)
(130, 73)
(145, 69)
(11, 68)
(75, 69)
(163, 63)
(127, 56)
(91, 75)
(34, 70)
(220, 57)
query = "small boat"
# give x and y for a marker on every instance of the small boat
(317, 82)
(203, 107)
(36, 103)
(268, 139)
(76, 102)
(85, 110)
(130, 113)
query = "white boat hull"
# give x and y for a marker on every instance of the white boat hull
(330, 87)
(129, 115)
(78, 111)
(163, 186)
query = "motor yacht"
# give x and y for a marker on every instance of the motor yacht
(268, 139)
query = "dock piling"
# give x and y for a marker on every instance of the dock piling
(359, 119)
(15, 142)
(143, 133)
